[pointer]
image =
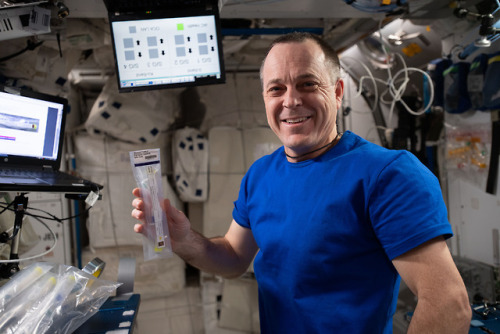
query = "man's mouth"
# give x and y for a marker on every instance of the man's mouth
(296, 120)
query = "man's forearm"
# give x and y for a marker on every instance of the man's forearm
(430, 318)
(212, 255)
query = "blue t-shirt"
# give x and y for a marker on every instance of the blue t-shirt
(327, 229)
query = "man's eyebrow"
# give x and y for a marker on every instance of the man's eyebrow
(272, 82)
(306, 76)
(300, 77)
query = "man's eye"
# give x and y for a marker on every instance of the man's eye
(309, 85)
(274, 90)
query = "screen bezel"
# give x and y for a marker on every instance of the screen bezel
(166, 14)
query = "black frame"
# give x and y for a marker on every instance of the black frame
(210, 9)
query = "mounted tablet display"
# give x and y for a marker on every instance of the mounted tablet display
(167, 48)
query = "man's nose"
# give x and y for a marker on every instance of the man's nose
(292, 98)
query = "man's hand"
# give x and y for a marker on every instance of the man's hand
(227, 256)
(178, 224)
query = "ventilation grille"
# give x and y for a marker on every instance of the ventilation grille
(5, 25)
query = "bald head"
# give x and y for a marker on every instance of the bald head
(331, 57)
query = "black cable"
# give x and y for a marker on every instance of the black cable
(7, 207)
(491, 181)
(29, 47)
(15, 230)
(50, 216)
(4, 236)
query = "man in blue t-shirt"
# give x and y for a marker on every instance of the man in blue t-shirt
(335, 221)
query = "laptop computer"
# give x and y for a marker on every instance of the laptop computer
(31, 141)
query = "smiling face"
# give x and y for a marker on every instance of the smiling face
(300, 98)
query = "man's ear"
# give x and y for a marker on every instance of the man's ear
(339, 92)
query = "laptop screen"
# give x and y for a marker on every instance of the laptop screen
(31, 127)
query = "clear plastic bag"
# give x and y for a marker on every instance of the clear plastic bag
(468, 152)
(51, 298)
(147, 173)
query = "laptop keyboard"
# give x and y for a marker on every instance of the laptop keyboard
(35, 174)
